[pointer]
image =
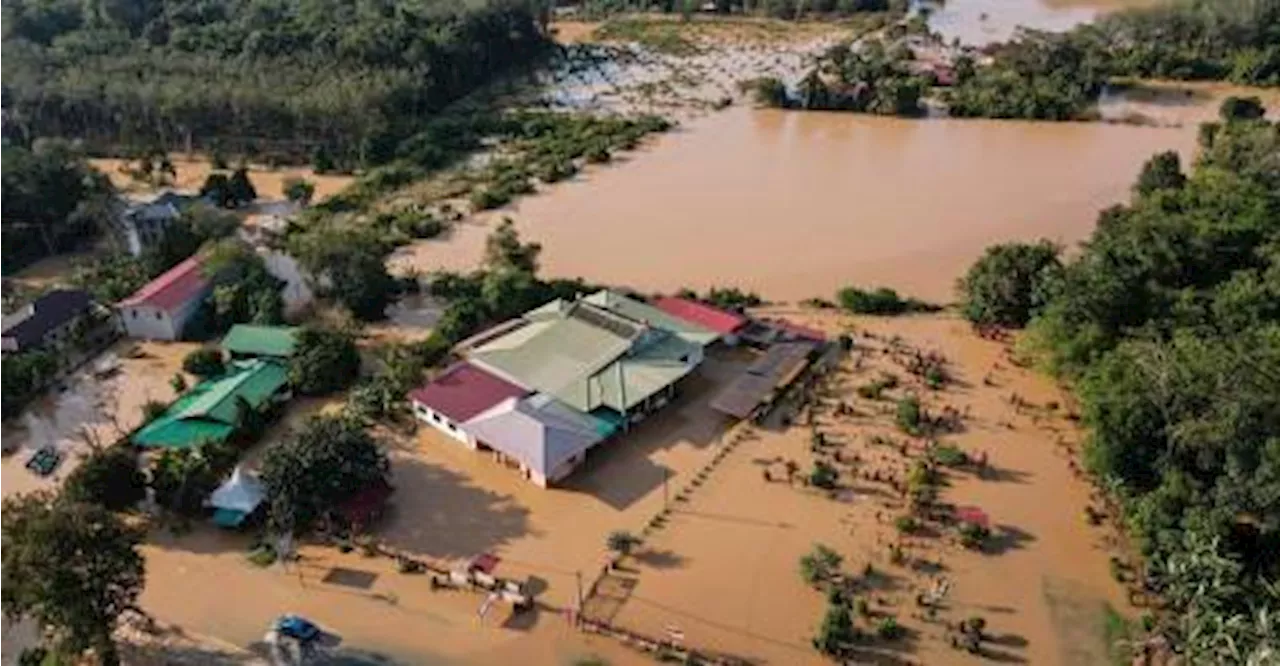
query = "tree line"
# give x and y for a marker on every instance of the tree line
(1168, 326)
(300, 78)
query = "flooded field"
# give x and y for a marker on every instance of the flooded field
(795, 205)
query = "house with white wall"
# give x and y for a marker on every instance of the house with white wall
(161, 309)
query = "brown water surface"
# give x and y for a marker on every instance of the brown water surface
(985, 21)
(795, 205)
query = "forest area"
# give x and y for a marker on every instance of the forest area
(300, 80)
(1167, 325)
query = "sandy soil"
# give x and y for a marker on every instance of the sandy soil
(192, 171)
(574, 32)
(105, 409)
(724, 571)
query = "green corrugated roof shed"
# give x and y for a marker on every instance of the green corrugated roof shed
(250, 340)
(208, 411)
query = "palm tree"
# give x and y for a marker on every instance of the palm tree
(621, 542)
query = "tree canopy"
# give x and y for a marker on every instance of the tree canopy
(72, 566)
(284, 78)
(324, 360)
(330, 460)
(110, 478)
(1010, 283)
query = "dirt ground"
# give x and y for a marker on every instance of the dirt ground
(724, 573)
(192, 171)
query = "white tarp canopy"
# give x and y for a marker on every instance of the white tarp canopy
(242, 492)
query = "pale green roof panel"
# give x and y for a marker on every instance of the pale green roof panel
(249, 340)
(643, 312)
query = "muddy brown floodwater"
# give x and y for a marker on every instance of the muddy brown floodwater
(986, 21)
(795, 205)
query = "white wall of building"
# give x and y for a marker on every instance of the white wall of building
(147, 323)
(443, 424)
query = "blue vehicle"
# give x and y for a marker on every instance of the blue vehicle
(297, 628)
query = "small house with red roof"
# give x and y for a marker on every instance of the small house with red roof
(161, 308)
(726, 324)
(458, 394)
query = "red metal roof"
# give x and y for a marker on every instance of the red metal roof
(463, 391)
(177, 286)
(707, 316)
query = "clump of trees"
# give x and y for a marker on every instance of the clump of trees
(324, 360)
(25, 374)
(307, 476)
(1039, 75)
(53, 201)
(1168, 324)
(1233, 40)
(347, 264)
(204, 362)
(333, 80)
(72, 566)
(869, 79)
(110, 478)
(1010, 283)
(880, 301)
(246, 293)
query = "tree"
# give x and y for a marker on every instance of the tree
(1241, 108)
(331, 459)
(820, 564)
(44, 186)
(240, 188)
(178, 382)
(204, 362)
(1162, 172)
(349, 266)
(183, 478)
(299, 190)
(247, 292)
(217, 188)
(1010, 283)
(503, 250)
(110, 478)
(72, 566)
(621, 542)
(836, 632)
(324, 360)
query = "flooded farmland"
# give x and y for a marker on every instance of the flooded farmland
(795, 205)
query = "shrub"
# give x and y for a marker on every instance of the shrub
(910, 417)
(204, 362)
(824, 475)
(906, 524)
(820, 564)
(836, 631)
(882, 301)
(949, 455)
(973, 536)
(152, 410)
(888, 629)
(621, 541)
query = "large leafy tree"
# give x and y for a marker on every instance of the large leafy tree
(47, 190)
(324, 360)
(110, 478)
(348, 265)
(330, 460)
(72, 566)
(1010, 283)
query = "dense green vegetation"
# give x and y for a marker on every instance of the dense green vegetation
(53, 201)
(1010, 283)
(1040, 75)
(1233, 40)
(73, 567)
(311, 474)
(880, 301)
(1168, 323)
(324, 360)
(869, 79)
(324, 79)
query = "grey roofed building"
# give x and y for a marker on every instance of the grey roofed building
(545, 436)
(41, 321)
(589, 357)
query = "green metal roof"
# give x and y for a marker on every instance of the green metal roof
(588, 357)
(643, 312)
(208, 411)
(249, 340)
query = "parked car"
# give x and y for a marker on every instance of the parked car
(297, 627)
